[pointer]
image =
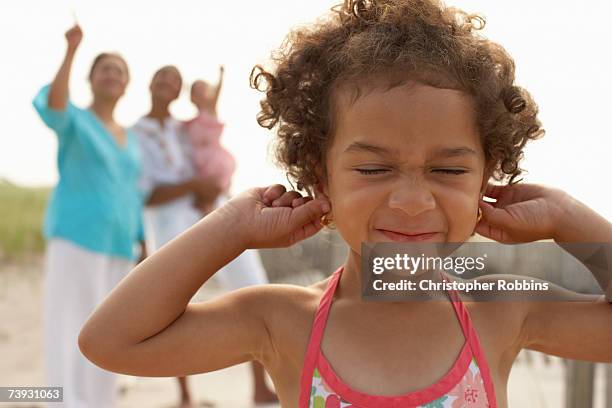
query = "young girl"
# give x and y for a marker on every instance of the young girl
(210, 159)
(395, 115)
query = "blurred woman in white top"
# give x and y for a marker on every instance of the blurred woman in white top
(172, 188)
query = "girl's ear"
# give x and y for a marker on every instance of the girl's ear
(488, 172)
(321, 189)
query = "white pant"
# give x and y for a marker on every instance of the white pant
(76, 281)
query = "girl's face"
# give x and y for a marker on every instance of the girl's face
(199, 92)
(403, 162)
(109, 78)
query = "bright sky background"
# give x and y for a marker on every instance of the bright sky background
(561, 49)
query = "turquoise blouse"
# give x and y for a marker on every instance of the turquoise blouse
(96, 203)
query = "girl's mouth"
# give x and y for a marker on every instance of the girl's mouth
(401, 237)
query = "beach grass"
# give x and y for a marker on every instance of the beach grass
(21, 216)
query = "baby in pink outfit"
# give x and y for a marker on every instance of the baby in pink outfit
(210, 159)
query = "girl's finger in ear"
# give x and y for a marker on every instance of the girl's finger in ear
(300, 201)
(286, 199)
(273, 192)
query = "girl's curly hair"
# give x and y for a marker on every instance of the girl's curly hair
(393, 41)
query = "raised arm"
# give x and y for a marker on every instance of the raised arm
(58, 93)
(146, 326)
(576, 329)
(587, 235)
(577, 326)
(218, 89)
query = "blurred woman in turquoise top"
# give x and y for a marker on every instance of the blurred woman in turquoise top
(93, 219)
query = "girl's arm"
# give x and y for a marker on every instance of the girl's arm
(146, 326)
(218, 90)
(587, 236)
(58, 93)
(572, 327)
(576, 329)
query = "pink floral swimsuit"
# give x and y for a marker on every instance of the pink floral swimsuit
(467, 384)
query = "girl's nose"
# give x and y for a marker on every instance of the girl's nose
(412, 195)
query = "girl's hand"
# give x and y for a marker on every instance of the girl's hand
(271, 217)
(74, 37)
(523, 213)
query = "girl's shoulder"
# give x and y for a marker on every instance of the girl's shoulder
(492, 304)
(288, 311)
(497, 317)
(286, 297)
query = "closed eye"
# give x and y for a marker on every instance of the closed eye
(451, 171)
(371, 171)
(379, 171)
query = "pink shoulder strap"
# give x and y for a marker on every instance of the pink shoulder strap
(318, 326)
(472, 338)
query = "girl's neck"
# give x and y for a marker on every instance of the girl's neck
(104, 109)
(350, 284)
